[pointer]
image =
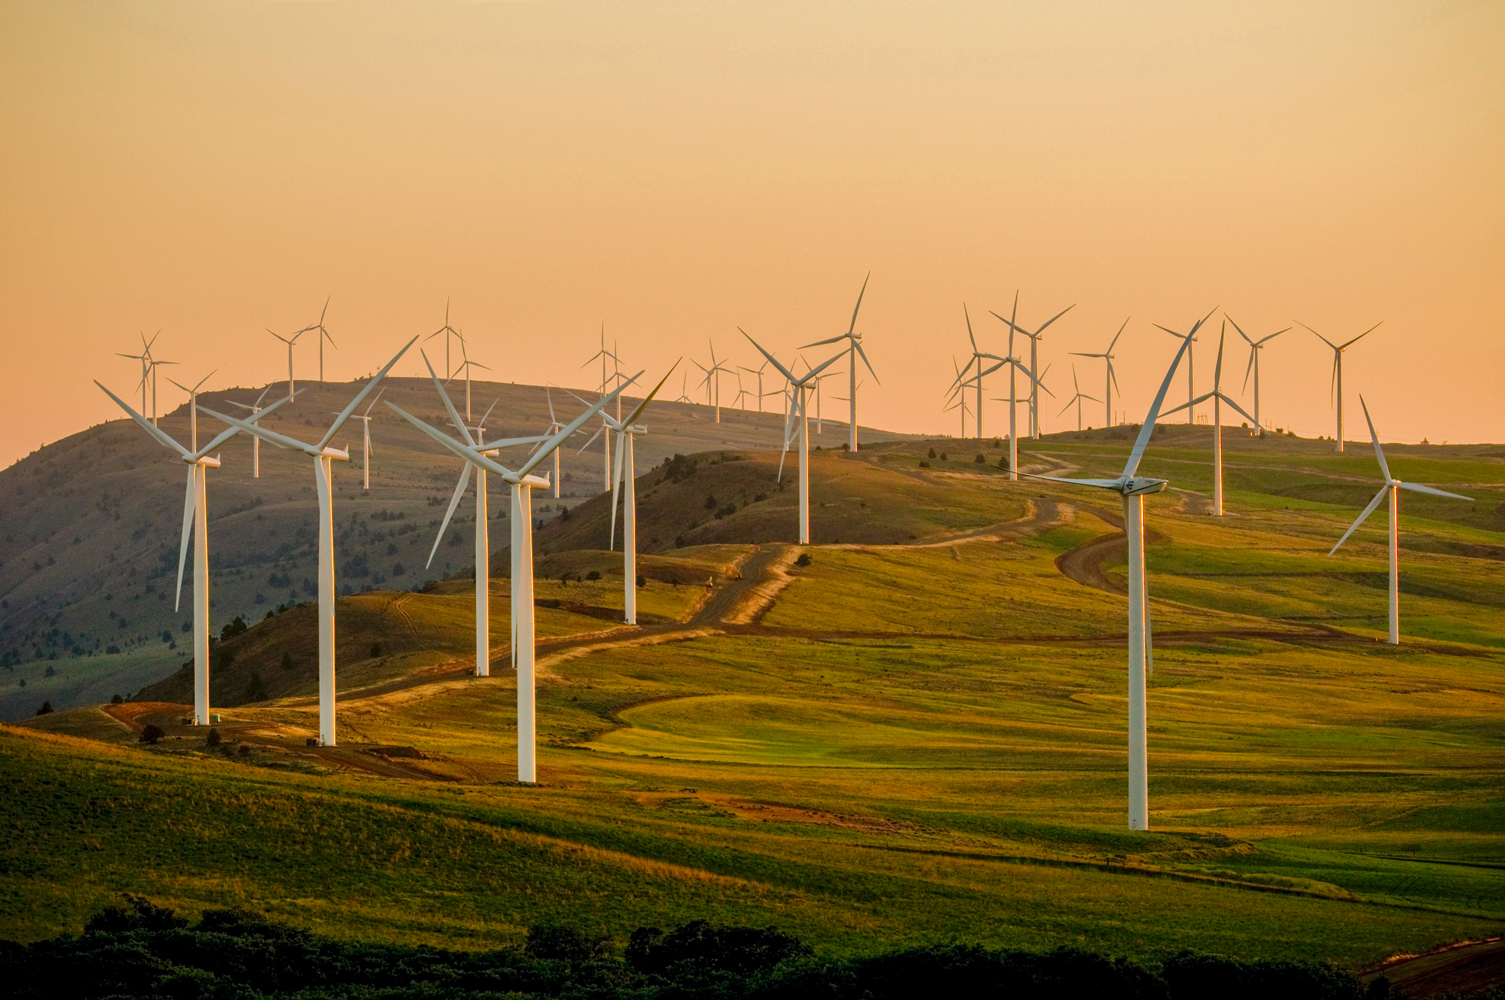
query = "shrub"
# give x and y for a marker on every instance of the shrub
(1003, 462)
(139, 914)
(46, 708)
(256, 689)
(803, 560)
(981, 459)
(214, 739)
(700, 948)
(932, 453)
(710, 501)
(679, 541)
(943, 456)
(151, 734)
(375, 649)
(642, 580)
(116, 700)
(593, 575)
(924, 464)
(563, 944)
(287, 661)
(233, 629)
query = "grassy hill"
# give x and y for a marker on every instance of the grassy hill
(89, 537)
(916, 736)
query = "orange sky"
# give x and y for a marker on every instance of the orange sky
(678, 169)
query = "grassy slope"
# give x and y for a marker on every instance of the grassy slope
(914, 783)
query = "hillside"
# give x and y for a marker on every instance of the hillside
(899, 741)
(89, 537)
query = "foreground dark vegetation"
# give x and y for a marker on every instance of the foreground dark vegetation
(143, 950)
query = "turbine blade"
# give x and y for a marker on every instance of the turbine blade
(616, 483)
(360, 397)
(867, 362)
(270, 437)
(774, 361)
(1120, 333)
(449, 406)
(1106, 484)
(1240, 329)
(1360, 337)
(570, 428)
(1057, 316)
(858, 306)
(469, 454)
(230, 432)
(1378, 451)
(828, 340)
(1360, 520)
(1432, 491)
(1230, 401)
(454, 501)
(188, 508)
(156, 432)
(633, 417)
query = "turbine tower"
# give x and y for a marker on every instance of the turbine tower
(626, 478)
(758, 371)
(196, 522)
(1255, 346)
(193, 416)
(604, 354)
(522, 483)
(467, 365)
(1110, 381)
(554, 426)
(712, 380)
(1077, 399)
(324, 456)
(963, 379)
(1034, 360)
(365, 419)
(854, 348)
(1337, 382)
(797, 416)
(1218, 398)
(1391, 488)
(1133, 487)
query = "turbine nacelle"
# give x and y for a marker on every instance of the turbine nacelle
(1140, 485)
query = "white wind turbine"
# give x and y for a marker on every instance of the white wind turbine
(963, 379)
(1110, 381)
(604, 355)
(254, 408)
(475, 437)
(1034, 360)
(324, 456)
(758, 371)
(145, 358)
(1392, 487)
(1015, 367)
(365, 419)
(196, 521)
(684, 396)
(467, 365)
(1077, 399)
(1255, 346)
(1191, 410)
(448, 331)
(1218, 397)
(1133, 488)
(193, 416)
(554, 426)
(853, 349)
(523, 484)
(323, 336)
(292, 389)
(712, 380)
(960, 395)
(798, 417)
(1337, 381)
(625, 479)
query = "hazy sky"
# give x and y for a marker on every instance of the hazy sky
(678, 169)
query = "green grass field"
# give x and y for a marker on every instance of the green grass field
(921, 740)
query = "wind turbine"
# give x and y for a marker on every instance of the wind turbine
(854, 348)
(1218, 397)
(684, 396)
(365, 419)
(289, 341)
(324, 456)
(254, 408)
(145, 358)
(977, 359)
(1255, 346)
(712, 380)
(448, 332)
(1110, 381)
(1191, 411)
(195, 521)
(522, 483)
(1077, 399)
(193, 416)
(1392, 487)
(1133, 488)
(1015, 367)
(603, 354)
(1337, 381)
(323, 336)
(554, 425)
(758, 371)
(1034, 360)
(798, 416)
(467, 365)
(475, 437)
(626, 478)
